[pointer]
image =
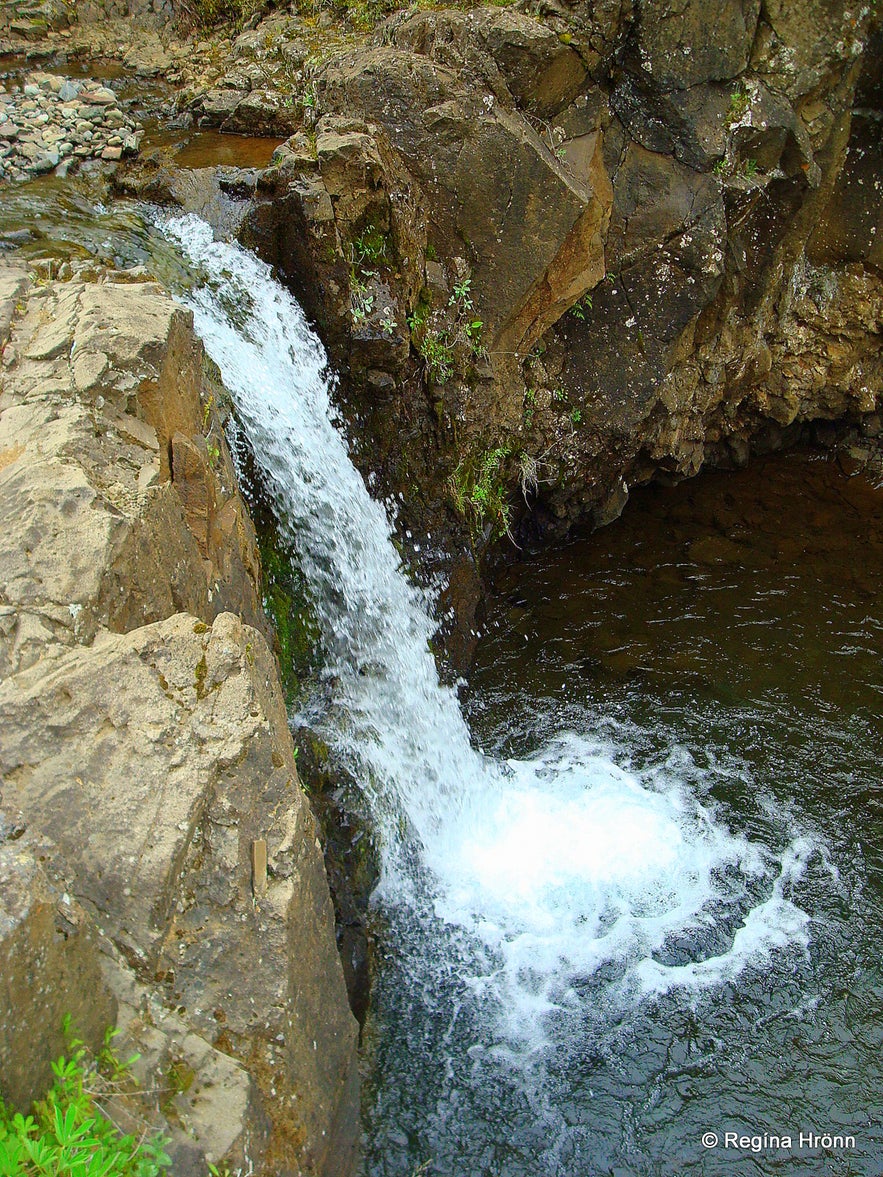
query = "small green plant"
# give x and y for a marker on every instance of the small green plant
(388, 323)
(367, 251)
(529, 403)
(438, 353)
(749, 169)
(419, 316)
(579, 308)
(478, 492)
(370, 246)
(720, 167)
(740, 101)
(558, 395)
(310, 96)
(69, 1135)
(575, 416)
(438, 334)
(363, 305)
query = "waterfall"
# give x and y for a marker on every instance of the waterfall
(507, 883)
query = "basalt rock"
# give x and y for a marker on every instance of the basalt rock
(620, 241)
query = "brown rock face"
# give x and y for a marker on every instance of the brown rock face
(667, 222)
(49, 970)
(146, 740)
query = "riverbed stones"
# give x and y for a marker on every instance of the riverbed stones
(54, 123)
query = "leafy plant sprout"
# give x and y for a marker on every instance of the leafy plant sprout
(71, 1131)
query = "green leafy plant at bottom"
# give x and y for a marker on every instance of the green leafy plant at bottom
(68, 1135)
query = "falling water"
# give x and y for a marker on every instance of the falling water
(512, 888)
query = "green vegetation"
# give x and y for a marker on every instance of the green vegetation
(70, 1133)
(286, 603)
(529, 404)
(579, 308)
(749, 169)
(478, 491)
(439, 356)
(439, 336)
(740, 101)
(368, 252)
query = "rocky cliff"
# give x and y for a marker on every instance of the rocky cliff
(159, 863)
(563, 249)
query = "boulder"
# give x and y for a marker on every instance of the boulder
(491, 189)
(103, 381)
(154, 761)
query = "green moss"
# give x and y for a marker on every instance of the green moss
(199, 677)
(287, 605)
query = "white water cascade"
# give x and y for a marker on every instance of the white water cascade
(520, 879)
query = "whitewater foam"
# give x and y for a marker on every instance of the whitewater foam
(538, 872)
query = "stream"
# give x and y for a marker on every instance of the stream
(630, 900)
(630, 887)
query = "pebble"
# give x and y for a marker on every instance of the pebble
(55, 123)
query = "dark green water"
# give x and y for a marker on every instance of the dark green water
(729, 630)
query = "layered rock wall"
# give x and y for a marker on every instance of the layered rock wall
(146, 751)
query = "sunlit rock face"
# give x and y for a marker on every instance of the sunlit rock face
(668, 225)
(146, 749)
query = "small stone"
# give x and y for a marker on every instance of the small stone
(103, 97)
(44, 163)
(112, 153)
(69, 90)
